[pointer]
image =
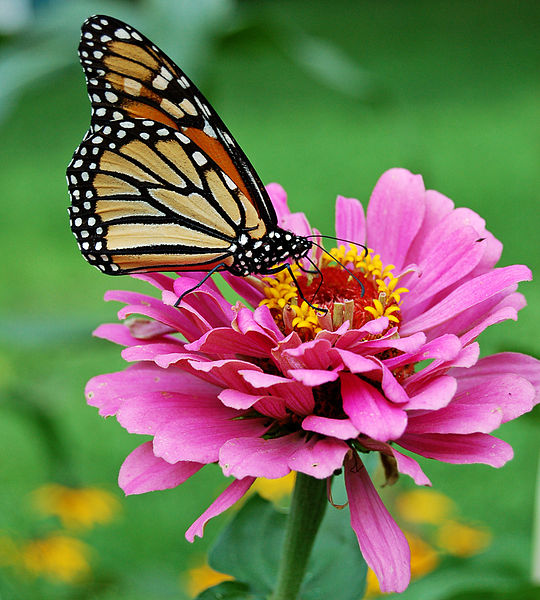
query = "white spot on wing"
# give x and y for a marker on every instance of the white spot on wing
(209, 130)
(199, 159)
(230, 183)
(122, 34)
(159, 82)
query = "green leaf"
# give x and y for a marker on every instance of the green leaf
(249, 549)
(228, 590)
(250, 546)
(335, 557)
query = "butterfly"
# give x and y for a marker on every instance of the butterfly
(158, 182)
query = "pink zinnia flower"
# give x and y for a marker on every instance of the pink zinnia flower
(262, 392)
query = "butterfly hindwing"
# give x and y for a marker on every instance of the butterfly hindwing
(127, 74)
(146, 197)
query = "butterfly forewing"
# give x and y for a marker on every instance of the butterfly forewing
(127, 75)
(146, 197)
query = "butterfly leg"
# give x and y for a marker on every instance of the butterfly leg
(315, 270)
(300, 293)
(207, 276)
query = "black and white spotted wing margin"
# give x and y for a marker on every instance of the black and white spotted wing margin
(146, 197)
(126, 74)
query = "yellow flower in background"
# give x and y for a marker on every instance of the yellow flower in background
(462, 540)
(424, 557)
(424, 506)
(275, 489)
(202, 577)
(57, 557)
(77, 508)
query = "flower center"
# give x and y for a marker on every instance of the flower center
(370, 294)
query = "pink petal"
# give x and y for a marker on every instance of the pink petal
(382, 543)
(143, 472)
(107, 392)
(505, 362)
(466, 357)
(350, 220)
(369, 411)
(410, 343)
(199, 438)
(158, 280)
(455, 418)
(508, 394)
(492, 253)
(152, 351)
(297, 397)
(206, 300)
(309, 355)
(342, 429)
(297, 223)
(405, 464)
(225, 500)
(410, 467)
(141, 304)
(434, 394)
(437, 208)
(497, 317)
(263, 317)
(276, 457)
(273, 407)
(445, 347)
(267, 405)
(249, 288)
(259, 457)
(467, 295)
(145, 412)
(473, 317)
(229, 373)
(319, 457)
(453, 257)
(314, 377)
(395, 214)
(459, 449)
(226, 341)
(117, 333)
(356, 363)
(279, 199)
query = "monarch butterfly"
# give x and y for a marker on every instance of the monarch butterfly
(158, 182)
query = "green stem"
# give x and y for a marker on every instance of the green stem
(307, 510)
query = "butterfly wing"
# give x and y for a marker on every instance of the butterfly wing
(145, 197)
(127, 75)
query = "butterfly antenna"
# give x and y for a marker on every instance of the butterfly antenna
(342, 265)
(330, 237)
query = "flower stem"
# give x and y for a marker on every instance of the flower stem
(307, 510)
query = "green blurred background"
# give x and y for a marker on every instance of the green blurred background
(323, 97)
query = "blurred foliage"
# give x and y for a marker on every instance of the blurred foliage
(193, 30)
(323, 98)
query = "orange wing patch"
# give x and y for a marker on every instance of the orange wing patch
(214, 148)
